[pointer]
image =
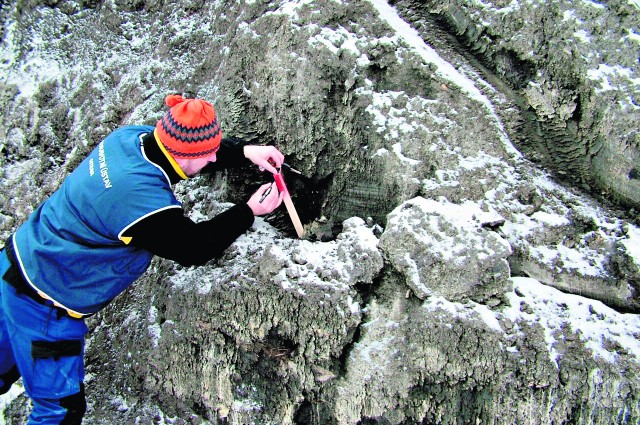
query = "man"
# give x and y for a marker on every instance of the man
(98, 233)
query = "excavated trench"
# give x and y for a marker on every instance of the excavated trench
(553, 144)
(465, 45)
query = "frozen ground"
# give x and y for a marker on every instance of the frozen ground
(305, 266)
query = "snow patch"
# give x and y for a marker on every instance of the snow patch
(597, 325)
(594, 4)
(155, 331)
(632, 35)
(33, 70)
(570, 15)
(468, 311)
(632, 243)
(604, 331)
(336, 40)
(583, 36)
(7, 398)
(608, 77)
(290, 8)
(17, 170)
(397, 149)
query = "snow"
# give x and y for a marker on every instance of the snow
(570, 15)
(17, 170)
(32, 73)
(594, 4)
(469, 311)
(380, 152)
(632, 35)
(632, 243)
(583, 36)
(439, 225)
(550, 219)
(298, 265)
(371, 351)
(594, 322)
(397, 149)
(185, 279)
(523, 230)
(608, 75)
(6, 399)
(336, 40)
(412, 273)
(481, 161)
(410, 36)
(155, 331)
(397, 123)
(513, 6)
(246, 28)
(354, 307)
(585, 261)
(290, 8)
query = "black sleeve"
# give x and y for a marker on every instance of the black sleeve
(230, 155)
(169, 234)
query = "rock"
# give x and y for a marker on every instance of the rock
(443, 250)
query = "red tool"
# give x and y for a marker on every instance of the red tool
(289, 203)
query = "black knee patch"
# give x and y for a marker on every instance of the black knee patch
(8, 379)
(55, 349)
(76, 405)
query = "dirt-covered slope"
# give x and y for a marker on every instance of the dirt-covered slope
(445, 278)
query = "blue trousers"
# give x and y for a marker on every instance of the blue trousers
(46, 349)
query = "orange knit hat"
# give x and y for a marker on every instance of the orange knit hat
(190, 129)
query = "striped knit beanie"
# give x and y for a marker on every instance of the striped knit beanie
(190, 129)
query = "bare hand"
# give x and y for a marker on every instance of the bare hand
(266, 199)
(266, 157)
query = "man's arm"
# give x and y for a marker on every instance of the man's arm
(169, 234)
(235, 152)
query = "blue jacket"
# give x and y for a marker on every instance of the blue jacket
(71, 248)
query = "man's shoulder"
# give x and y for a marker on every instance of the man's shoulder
(133, 130)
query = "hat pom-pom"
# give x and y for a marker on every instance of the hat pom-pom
(173, 99)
